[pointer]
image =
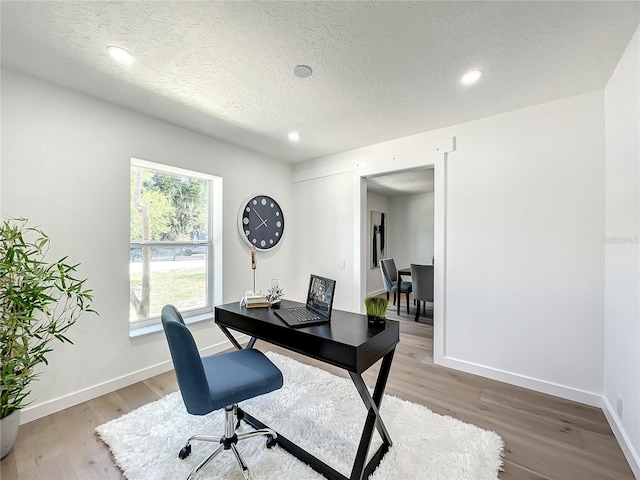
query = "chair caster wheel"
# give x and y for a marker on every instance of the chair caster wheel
(184, 452)
(271, 442)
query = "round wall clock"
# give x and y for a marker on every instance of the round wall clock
(261, 222)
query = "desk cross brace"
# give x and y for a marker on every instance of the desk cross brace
(360, 470)
(373, 418)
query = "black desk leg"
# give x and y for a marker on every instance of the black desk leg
(230, 337)
(359, 470)
(233, 340)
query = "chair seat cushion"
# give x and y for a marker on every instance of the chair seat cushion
(253, 375)
(405, 287)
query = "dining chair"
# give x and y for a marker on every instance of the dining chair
(391, 282)
(422, 283)
(218, 381)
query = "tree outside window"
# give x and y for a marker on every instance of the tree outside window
(170, 241)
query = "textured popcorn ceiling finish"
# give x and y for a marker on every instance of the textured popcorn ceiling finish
(381, 70)
(408, 182)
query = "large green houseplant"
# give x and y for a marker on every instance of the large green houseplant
(39, 301)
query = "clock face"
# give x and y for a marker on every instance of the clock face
(261, 222)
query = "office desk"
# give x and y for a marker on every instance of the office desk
(347, 342)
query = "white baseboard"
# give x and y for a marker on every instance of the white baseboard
(36, 411)
(630, 453)
(562, 391)
(581, 396)
(376, 293)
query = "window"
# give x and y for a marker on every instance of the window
(172, 252)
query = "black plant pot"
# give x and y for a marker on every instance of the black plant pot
(375, 321)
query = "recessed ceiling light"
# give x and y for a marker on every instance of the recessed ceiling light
(471, 77)
(294, 137)
(302, 71)
(120, 55)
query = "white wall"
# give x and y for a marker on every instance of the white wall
(377, 203)
(622, 251)
(519, 211)
(411, 229)
(324, 236)
(525, 222)
(65, 166)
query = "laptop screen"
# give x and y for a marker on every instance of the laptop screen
(320, 295)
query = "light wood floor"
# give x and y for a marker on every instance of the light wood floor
(545, 437)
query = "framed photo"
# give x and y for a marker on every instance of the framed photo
(378, 241)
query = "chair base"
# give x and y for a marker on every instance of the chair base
(227, 442)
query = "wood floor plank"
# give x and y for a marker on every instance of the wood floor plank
(109, 406)
(546, 437)
(8, 469)
(36, 443)
(137, 395)
(163, 384)
(57, 467)
(604, 448)
(579, 416)
(86, 452)
(513, 471)
(530, 420)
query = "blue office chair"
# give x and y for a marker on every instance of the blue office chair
(216, 381)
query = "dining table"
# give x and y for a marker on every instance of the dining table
(406, 271)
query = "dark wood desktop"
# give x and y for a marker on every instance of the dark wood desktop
(347, 342)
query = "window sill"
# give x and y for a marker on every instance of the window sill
(135, 332)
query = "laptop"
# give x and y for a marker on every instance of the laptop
(318, 308)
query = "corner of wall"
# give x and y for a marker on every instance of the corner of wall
(621, 436)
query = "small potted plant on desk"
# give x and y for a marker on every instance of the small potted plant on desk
(39, 302)
(376, 310)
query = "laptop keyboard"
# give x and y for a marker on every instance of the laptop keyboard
(303, 315)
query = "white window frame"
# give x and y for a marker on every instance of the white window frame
(214, 259)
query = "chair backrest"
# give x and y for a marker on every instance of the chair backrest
(422, 282)
(187, 363)
(389, 273)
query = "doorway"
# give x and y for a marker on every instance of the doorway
(405, 200)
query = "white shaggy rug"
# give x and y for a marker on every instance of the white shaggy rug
(320, 412)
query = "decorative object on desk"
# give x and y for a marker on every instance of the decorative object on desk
(253, 265)
(378, 237)
(376, 310)
(254, 298)
(39, 301)
(261, 222)
(425, 445)
(275, 293)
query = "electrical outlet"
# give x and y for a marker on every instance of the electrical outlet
(619, 405)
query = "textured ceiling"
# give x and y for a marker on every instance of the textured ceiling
(406, 182)
(382, 70)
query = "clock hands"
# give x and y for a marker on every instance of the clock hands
(264, 222)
